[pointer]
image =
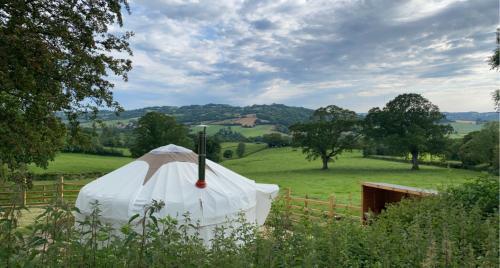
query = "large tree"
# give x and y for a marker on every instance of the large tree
(330, 131)
(55, 56)
(155, 130)
(408, 124)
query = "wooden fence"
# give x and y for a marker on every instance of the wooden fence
(297, 207)
(39, 195)
(317, 209)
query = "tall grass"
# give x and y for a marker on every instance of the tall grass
(458, 228)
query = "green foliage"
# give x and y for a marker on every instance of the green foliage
(240, 151)
(496, 99)
(87, 141)
(331, 131)
(481, 146)
(408, 124)
(441, 231)
(276, 140)
(213, 147)
(56, 57)
(227, 134)
(494, 60)
(482, 193)
(157, 129)
(228, 154)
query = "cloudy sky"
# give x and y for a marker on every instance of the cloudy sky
(354, 54)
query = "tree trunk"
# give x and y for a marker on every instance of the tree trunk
(325, 163)
(414, 160)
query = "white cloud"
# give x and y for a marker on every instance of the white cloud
(244, 52)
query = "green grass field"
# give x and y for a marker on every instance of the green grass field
(256, 131)
(82, 163)
(288, 168)
(462, 128)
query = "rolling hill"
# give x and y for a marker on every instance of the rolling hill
(274, 114)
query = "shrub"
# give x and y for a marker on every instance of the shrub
(228, 154)
(240, 151)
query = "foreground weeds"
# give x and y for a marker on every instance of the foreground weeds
(458, 228)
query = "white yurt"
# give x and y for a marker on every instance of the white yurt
(211, 195)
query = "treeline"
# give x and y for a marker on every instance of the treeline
(103, 141)
(408, 126)
(278, 114)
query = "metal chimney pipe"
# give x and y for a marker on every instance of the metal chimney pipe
(202, 154)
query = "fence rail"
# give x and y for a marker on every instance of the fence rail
(39, 195)
(299, 207)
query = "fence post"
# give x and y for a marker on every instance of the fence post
(331, 205)
(43, 193)
(306, 207)
(61, 187)
(23, 193)
(288, 198)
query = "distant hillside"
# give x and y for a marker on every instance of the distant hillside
(472, 116)
(278, 114)
(275, 114)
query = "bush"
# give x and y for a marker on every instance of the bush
(97, 150)
(228, 135)
(213, 147)
(240, 151)
(228, 154)
(276, 140)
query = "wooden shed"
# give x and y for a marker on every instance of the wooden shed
(376, 195)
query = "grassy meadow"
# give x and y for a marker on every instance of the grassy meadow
(256, 131)
(288, 168)
(73, 163)
(461, 128)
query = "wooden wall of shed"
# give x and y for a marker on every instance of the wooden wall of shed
(376, 199)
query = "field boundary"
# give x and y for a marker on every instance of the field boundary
(39, 195)
(443, 164)
(319, 209)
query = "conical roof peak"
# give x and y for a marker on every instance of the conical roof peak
(171, 148)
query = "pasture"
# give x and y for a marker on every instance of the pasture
(73, 163)
(288, 168)
(462, 128)
(256, 131)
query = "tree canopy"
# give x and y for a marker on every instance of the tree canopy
(55, 56)
(331, 131)
(155, 130)
(408, 124)
(480, 147)
(213, 147)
